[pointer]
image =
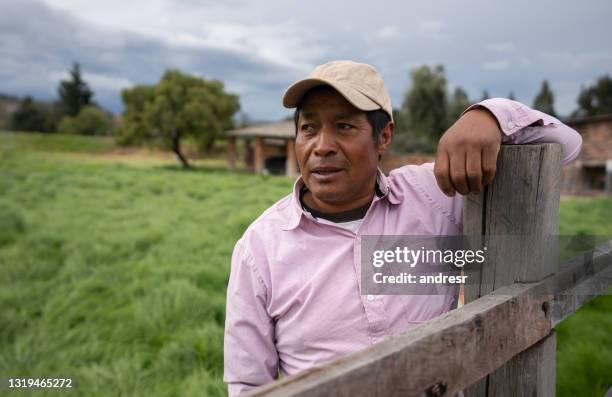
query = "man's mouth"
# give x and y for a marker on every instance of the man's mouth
(323, 173)
(325, 170)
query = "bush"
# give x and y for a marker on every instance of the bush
(89, 121)
(35, 116)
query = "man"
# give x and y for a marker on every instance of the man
(293, 299)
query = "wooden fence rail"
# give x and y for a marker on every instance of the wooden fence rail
(502, 342)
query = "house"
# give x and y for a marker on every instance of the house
(592, 170)
(274, 150)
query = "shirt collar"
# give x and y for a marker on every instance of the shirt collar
(296, 212)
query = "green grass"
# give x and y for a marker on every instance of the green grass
(115, 275)
(584, 340)
(29, 141)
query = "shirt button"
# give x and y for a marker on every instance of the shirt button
(510, 124)
(370, 298)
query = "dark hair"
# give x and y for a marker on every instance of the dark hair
(378, 118)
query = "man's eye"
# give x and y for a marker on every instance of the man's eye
(344, 126)
(307, 127)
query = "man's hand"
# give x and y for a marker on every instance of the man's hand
(467, 153)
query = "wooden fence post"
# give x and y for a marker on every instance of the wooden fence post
(522, 201)
(231, 152)
(259, 155)
(291, 165)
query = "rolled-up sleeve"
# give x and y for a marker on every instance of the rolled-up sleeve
(521, 124)
(250, 356)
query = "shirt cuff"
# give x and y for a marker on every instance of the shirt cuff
(512, 116)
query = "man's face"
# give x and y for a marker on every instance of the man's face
(335, 150)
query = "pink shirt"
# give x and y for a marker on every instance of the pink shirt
(294, 300)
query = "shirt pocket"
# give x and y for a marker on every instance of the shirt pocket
(422, 308)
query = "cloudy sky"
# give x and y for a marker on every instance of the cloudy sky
(257, 48)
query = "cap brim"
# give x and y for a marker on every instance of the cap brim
(296, 91)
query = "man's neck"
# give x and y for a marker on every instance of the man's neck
(336, 214)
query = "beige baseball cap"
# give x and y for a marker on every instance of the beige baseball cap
(359, 83)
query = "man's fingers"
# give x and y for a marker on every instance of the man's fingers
(489, 163)
(458, 172)
(473, 170)
(441, 171)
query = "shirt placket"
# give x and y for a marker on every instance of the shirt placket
(376, 315)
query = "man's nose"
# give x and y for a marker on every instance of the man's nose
(326, 142)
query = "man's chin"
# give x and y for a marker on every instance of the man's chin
(327, 193)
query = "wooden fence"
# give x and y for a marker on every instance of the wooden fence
(502, 342)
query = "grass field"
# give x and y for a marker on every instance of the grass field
(114, 273)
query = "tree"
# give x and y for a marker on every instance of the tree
(545, 100)
(90, 121)
(135, 129)
(425, 106)
(511, 96)
(33, 115)
(596, 99)
(458, 103)
(400, 122)
(179, 105)
(485, 95)
(74, 94)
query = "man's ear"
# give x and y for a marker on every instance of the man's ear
(385, 138)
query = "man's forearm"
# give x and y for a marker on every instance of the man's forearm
(522, 124)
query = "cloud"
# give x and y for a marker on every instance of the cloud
(258, 47)
(38, 45)
(96, 81)
(104, 82)
(387, 32)
(578, 59)
(432, 30)
(496, 65)
(431, 26)
(502, 47)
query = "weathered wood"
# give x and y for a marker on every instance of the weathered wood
(541, 381)
(522, 204)
(581, 279)
(566, 304)
(291, 166)
(459, 347)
